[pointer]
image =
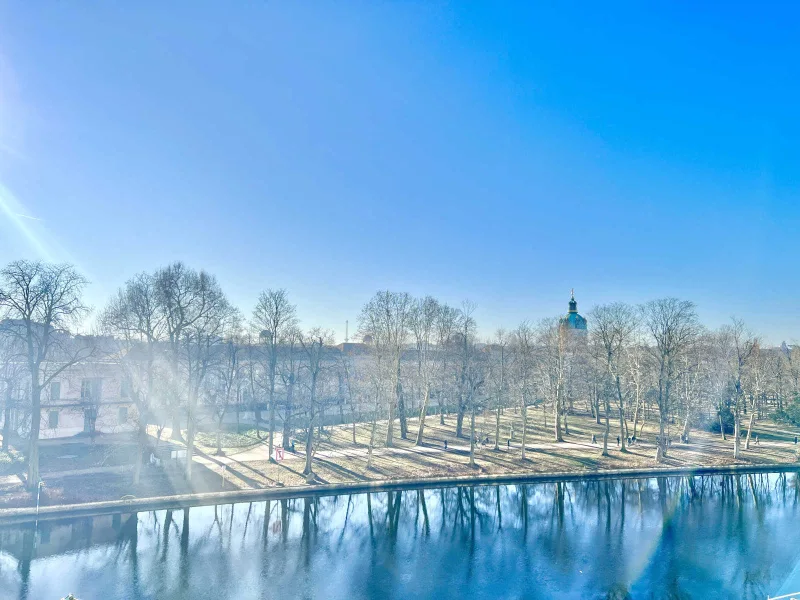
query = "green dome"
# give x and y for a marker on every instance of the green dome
(573, 320)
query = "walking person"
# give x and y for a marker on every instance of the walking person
(617, 441)
(594, 439)
(445, 444)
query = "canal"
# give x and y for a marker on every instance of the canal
(722, 536)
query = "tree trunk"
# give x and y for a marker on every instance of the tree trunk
(422, 412)
(557, 417)
(390, 424)
(7, 418)
(597, 408)
(372, 438)
(309, 449)
(176, 425)
(749, 430)
(722, 427)
(401, 406)
(189, 446)
(33, 444)
(219, 437)
(606, 432)
(353, 418)
(271, 419)
(460, 417)
(497, 428)
(472, 436)
(736, 428)
(141, 436)
(524, 426)
(287, 418)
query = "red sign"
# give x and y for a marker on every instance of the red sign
(279, 453)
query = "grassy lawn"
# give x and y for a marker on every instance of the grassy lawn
(230, 439)
(11, 462)
(337, 458)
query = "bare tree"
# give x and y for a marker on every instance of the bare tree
(524, 347)
(289, 374)
(673, 325)
(446, 326)
(498, 375)
(465, 348)
(551, 364)
(274, 315)
(201, 351)
(224, 386)
(613, 328)
(741, 346)
(179, 296)
(386, 318)
(314, 344)
(425, 315)
(42, 301)
(197, 317)
(475, 378)
(12, 367)
(134, 319)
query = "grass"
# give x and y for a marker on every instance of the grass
(230, 439)
(10, 462)
(338, 459)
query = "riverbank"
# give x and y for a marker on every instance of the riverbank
(341, 465)
(177, 502)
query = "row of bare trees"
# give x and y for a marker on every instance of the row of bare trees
(187, 352)
(635, 363)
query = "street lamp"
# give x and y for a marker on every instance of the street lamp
(38, 494)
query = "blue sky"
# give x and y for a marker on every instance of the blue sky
(497, 152)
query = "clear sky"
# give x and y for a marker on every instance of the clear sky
(497, 152)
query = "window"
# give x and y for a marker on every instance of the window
(91, 390)
(123, 415)
(52, 420)
(125, 388)
(55, 391)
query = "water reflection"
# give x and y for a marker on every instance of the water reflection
(691, 537)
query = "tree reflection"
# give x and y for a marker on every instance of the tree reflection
(608, 538)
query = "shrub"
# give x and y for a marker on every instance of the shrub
(728, 421)
(791, 411)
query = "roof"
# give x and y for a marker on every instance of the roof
(573, 321)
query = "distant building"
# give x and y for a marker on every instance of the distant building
(573, 321)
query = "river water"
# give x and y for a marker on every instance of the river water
(733, 536)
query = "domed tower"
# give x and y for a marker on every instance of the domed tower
(573, 320)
